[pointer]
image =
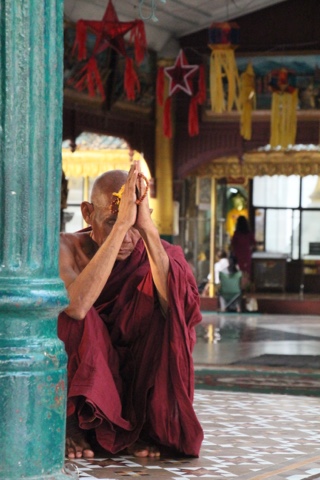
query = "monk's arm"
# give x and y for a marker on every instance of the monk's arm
(85, 287)
(159, 263)
(158, 258)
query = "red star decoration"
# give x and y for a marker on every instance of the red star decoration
(109, 32)
(180, 75)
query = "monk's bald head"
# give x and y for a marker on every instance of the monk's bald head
(106, 184)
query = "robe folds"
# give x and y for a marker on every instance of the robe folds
(130, 368)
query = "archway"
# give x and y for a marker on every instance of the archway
(94, 155)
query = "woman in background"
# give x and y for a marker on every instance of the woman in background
(242, 244)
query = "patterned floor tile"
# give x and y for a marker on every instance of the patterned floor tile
(274, 437)
(248, 435)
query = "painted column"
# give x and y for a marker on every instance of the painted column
(32, 359)
(213, 235)
(164, 207)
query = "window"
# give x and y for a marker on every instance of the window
(277, 191)
(287, 213)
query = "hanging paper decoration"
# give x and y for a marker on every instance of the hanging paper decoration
(247, 101)
(224, 76)
(109, 33)
(181, 78)
(284, 108)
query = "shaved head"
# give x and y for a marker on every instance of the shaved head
(101, 215)
(106, 184)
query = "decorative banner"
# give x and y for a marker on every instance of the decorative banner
(109, 33)
(181, 77)
(223, 39)
(247, 101)
(283, 108)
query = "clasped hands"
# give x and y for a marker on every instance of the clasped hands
(132, 199)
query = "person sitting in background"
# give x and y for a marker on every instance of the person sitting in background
(230, 291)
(221, 264)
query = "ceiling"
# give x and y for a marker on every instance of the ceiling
(175, 18)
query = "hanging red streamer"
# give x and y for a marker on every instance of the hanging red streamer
(138, 38)
(193, 121)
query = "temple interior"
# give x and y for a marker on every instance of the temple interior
(219, 100)
(257, 388)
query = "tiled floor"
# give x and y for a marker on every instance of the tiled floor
(247, 435)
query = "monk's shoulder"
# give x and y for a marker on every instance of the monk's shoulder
(69, 241)
(75, 249)
(73, 243)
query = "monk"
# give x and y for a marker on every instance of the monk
(128, 329)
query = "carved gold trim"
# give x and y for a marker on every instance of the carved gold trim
(263, 163)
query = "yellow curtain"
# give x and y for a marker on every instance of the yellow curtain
(223, 66)
(247, 101)
(284, 118)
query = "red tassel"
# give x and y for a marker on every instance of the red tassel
(96, 77)
(167, 124)
(131, 81)
(90, 78)
(80, 40)
(201, 96)
(193, 121)
(160, 86)
(138, 37)
(82, 83)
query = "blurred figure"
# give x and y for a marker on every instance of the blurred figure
(221, 265)
(232, 267)
(230, 289)
(243, 244)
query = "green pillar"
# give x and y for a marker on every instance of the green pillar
(32, 359)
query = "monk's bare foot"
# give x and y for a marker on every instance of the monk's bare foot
(76, 443)
(142, 450)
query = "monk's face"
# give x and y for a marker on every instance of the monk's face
(102, 222)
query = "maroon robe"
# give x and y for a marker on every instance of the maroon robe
(130, 369)
(242, 245)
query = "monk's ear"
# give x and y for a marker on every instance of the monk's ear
(86, 210)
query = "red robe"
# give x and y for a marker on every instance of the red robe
(132, 366)
(242, 245)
